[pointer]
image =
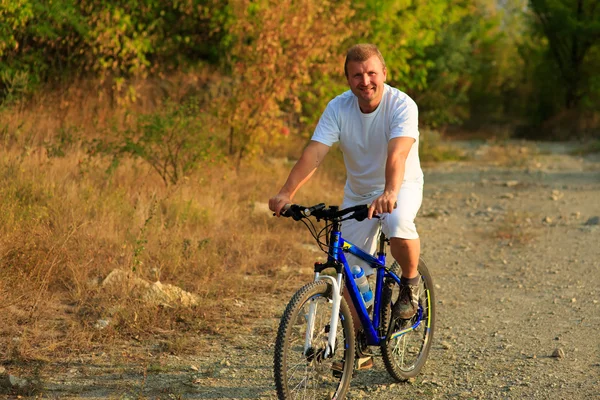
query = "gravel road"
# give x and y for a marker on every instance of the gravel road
(515, 255)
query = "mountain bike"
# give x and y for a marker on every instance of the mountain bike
(316, 343)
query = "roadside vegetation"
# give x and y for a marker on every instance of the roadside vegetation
(147, 136)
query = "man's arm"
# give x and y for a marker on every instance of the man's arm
(398, 149)
(311, 158)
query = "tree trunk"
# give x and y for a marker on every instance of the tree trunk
(231, 136)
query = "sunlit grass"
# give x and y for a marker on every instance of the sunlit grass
(65, 225)
(69, 216)
(432, 148)
(508, 154)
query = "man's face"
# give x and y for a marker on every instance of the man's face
(366, 80)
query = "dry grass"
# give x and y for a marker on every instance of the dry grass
(432, 148)
(67, 221)
(508, 154)
(63, 230)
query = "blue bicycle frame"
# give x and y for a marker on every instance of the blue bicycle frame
(339, 247)
(336, 258)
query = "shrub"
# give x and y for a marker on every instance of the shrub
(174, 141)
(431, 148)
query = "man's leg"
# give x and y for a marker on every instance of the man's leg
(406, 252)
(364, 235)
(405, 247)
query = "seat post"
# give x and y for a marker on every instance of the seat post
(382, 241)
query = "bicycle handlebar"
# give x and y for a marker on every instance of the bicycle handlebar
(319, 211)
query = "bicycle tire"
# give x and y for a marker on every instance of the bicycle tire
(319, 379)
(413, 346)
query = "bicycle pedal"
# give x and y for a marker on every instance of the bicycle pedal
(337, 369)
(364, 363)
(338, 374)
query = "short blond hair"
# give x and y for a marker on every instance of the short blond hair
(362, 52)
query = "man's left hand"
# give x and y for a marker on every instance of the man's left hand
(383, 204)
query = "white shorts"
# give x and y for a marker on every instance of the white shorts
(400, 223)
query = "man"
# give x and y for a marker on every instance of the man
(377, 127)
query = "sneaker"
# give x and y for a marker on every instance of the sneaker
(408, 301)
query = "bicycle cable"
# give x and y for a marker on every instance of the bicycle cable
(313, 232)
(327, 229)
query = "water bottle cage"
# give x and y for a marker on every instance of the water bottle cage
(362, 285)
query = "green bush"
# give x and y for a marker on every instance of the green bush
(55, 41)
(431, 148)
(173, 141)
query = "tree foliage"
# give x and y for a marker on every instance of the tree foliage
(275, 64)
(65, 39)
(572, 29)
(430, 49)
(278, 50)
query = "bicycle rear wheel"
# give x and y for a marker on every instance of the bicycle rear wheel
(405, 350)
(306, 373)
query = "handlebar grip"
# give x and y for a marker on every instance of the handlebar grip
(361, 215)
(298, 212)
(284, 210)
(292, 210)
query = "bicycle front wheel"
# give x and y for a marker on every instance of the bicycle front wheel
(301, 369)
(407, 345)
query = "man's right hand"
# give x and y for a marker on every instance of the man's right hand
(311, 158)
(278, 202)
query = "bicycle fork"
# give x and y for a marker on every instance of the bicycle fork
(335, 311)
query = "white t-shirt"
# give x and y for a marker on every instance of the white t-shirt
(364, 140)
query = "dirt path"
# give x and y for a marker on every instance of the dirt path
(515, 253)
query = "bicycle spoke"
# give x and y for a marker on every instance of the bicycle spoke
(304, 373)
(294, 369)
(300, 383)
(405, 355)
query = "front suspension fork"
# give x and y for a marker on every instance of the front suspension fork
(336, 284)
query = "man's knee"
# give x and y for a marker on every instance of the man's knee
(406, 252)
(402, 243)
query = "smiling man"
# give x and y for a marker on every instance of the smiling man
(377, 128)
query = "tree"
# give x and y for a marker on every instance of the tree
(276, 49)
(501, 72)
(43, 41)
(572, 28)
(428, 47)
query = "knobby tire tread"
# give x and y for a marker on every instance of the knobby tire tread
(298, 299)
(386, 352)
